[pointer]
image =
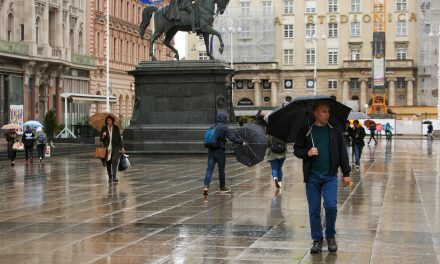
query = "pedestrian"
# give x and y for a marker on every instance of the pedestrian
(276, 157)
(372, 129)
(347, 132)
(217, 153)
(388, 132)
(430, 130)
(41, 140)
(112, 141)
(11, 138)
(379, 129)
(357, 139)
(261, 121)
(323, 150)
(28, 140)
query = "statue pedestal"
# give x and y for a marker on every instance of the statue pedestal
(176, 101)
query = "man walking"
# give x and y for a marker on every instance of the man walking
(358, 136)
(430, 130)
(28, 140)
(41, 140)
(217, 154)
(323, 150)
(372, 129)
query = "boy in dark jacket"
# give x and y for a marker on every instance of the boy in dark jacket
(357, 137)
(323, 150)
(28, 140)
(218, 154)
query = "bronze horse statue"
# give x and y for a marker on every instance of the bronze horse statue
(206, 12)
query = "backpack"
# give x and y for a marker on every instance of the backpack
(277, 146)
(42, 138)
(211, 138)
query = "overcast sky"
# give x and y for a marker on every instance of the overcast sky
(180, 40)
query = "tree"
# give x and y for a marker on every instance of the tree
(50, 123)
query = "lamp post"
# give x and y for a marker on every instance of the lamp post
(436, 33)
(231, 31)
(107, 55)
(315, 39)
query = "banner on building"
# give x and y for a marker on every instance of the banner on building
(151, 2)
(16, 114)
(379, 71)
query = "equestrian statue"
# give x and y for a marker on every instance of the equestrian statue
(183, 15)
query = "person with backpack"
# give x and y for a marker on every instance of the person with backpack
(28, 140)
(388, 132)
(215, 140)
(41, 140)
(276, 157)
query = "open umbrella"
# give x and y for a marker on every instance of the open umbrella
(11, 126)
(285, 123)
(427, 122)
(254, 150)
(97, 121)
(32, 124)
(369, 123)
(357, 115)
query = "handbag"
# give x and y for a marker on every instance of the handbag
(100, 152)
(18, 146)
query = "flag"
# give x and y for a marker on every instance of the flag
(151, 2)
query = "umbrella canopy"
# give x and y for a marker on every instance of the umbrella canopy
(32, 124)
(97, 121)
(254, 150)
(369, 123)
(357, 115)
(286, 122)
(427, 122)
(11, 126)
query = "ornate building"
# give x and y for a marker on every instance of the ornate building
(43, 54)
(127, 49)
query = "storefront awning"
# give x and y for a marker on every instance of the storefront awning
(88, 98)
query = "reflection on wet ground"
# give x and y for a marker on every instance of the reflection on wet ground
(65, 212)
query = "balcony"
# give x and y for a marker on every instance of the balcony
(74, 11)
(255, 66)
(83, 60)
(14, 48)
(366, 64)
(56, 53)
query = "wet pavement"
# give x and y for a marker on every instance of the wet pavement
(64, 211)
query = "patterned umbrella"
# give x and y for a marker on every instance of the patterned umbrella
(11, 126)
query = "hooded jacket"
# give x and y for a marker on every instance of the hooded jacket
(338, 151)
(28, 138)
(223, 131)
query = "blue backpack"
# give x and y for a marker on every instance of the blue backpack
(211, 137)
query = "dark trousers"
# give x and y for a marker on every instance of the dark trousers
(41, 150)
(29, 152)
(216, 156)
(112, 165)
(12, 154)
(372, 137)
(357, 148)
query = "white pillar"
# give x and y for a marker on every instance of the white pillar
(363, 97)
(345, 91)
(410, 91)
(392, 92)
(273, 93)
(257, 93)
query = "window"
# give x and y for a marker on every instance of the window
(245, 29)
(355, 6)
(288, 31)
(310, 56)
(121, 47)
(114, 49)
(355, 54)
(355, 29)
(355, 84)
(401, 5)
(98, 5)
(80, 41)
(310, 6)
(288, 6)
(10, 27)
(72, 41)
(128, 11)
(332, 84)
(332, 30)
(22, 32)
(401, 28)
(133, 11)
(245, 8)
(139, 14)
(332, 56)
(120, 10)
(203, 56)
(98, 44)
(401, 54)
(267, 30)
(114, 7)
(267, 7)
(288, 56)
(133, 53)
(401, 83)
(128, 53)
(310, 30)
(37, 31)
(332, 6)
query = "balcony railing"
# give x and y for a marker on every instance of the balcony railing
(56, 53)
(255, 66)
(366, 64)
(83, 60)
(14, 48)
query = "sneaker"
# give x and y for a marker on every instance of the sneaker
(280, 184)
(12, 163)
(357, 167)
(225, 190)
(277, 184)
(317, 247)
(205, 191)
(332, 246)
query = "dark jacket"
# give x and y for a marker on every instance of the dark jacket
(11, 138)
(224, 134)
(430, 128)
(28, 138)
(338, 151)
(358, 135)
(116, 140)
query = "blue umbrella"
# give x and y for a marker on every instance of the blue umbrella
(32, 124)
(151, 2)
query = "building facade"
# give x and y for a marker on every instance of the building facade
(127, 49)
(43, 54)
(336, 34)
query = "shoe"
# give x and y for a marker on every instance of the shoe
(225, 190)
(109, 178)
(12, 163)
(357, 167)
(331, 244)
(41, 160)
(114, 179)
(280, 184)
(205, 191)
(275, 179)
(317, 247)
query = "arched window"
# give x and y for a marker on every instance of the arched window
(72, 41)
(37, 31)
(127, 106)
(401, 54)
(80, 40)
(128, 11)
(121, 105)
(98, 44)
(10, 27)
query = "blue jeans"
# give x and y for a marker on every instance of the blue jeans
(277, 168)
(357, 153)
(325, 186)
(216, 156)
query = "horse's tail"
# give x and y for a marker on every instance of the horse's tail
(146, 17)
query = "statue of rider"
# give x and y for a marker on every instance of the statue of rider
(177, 5)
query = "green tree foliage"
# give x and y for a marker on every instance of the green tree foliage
(50, 123)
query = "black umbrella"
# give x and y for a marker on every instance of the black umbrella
(286, 122)
(427, 122)
(254, 149)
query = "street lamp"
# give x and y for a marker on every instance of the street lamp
(107, 51)
(366, 109)
(315, 39)
(437, 34)
(231, 31)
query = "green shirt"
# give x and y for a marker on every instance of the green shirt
(320, 164)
